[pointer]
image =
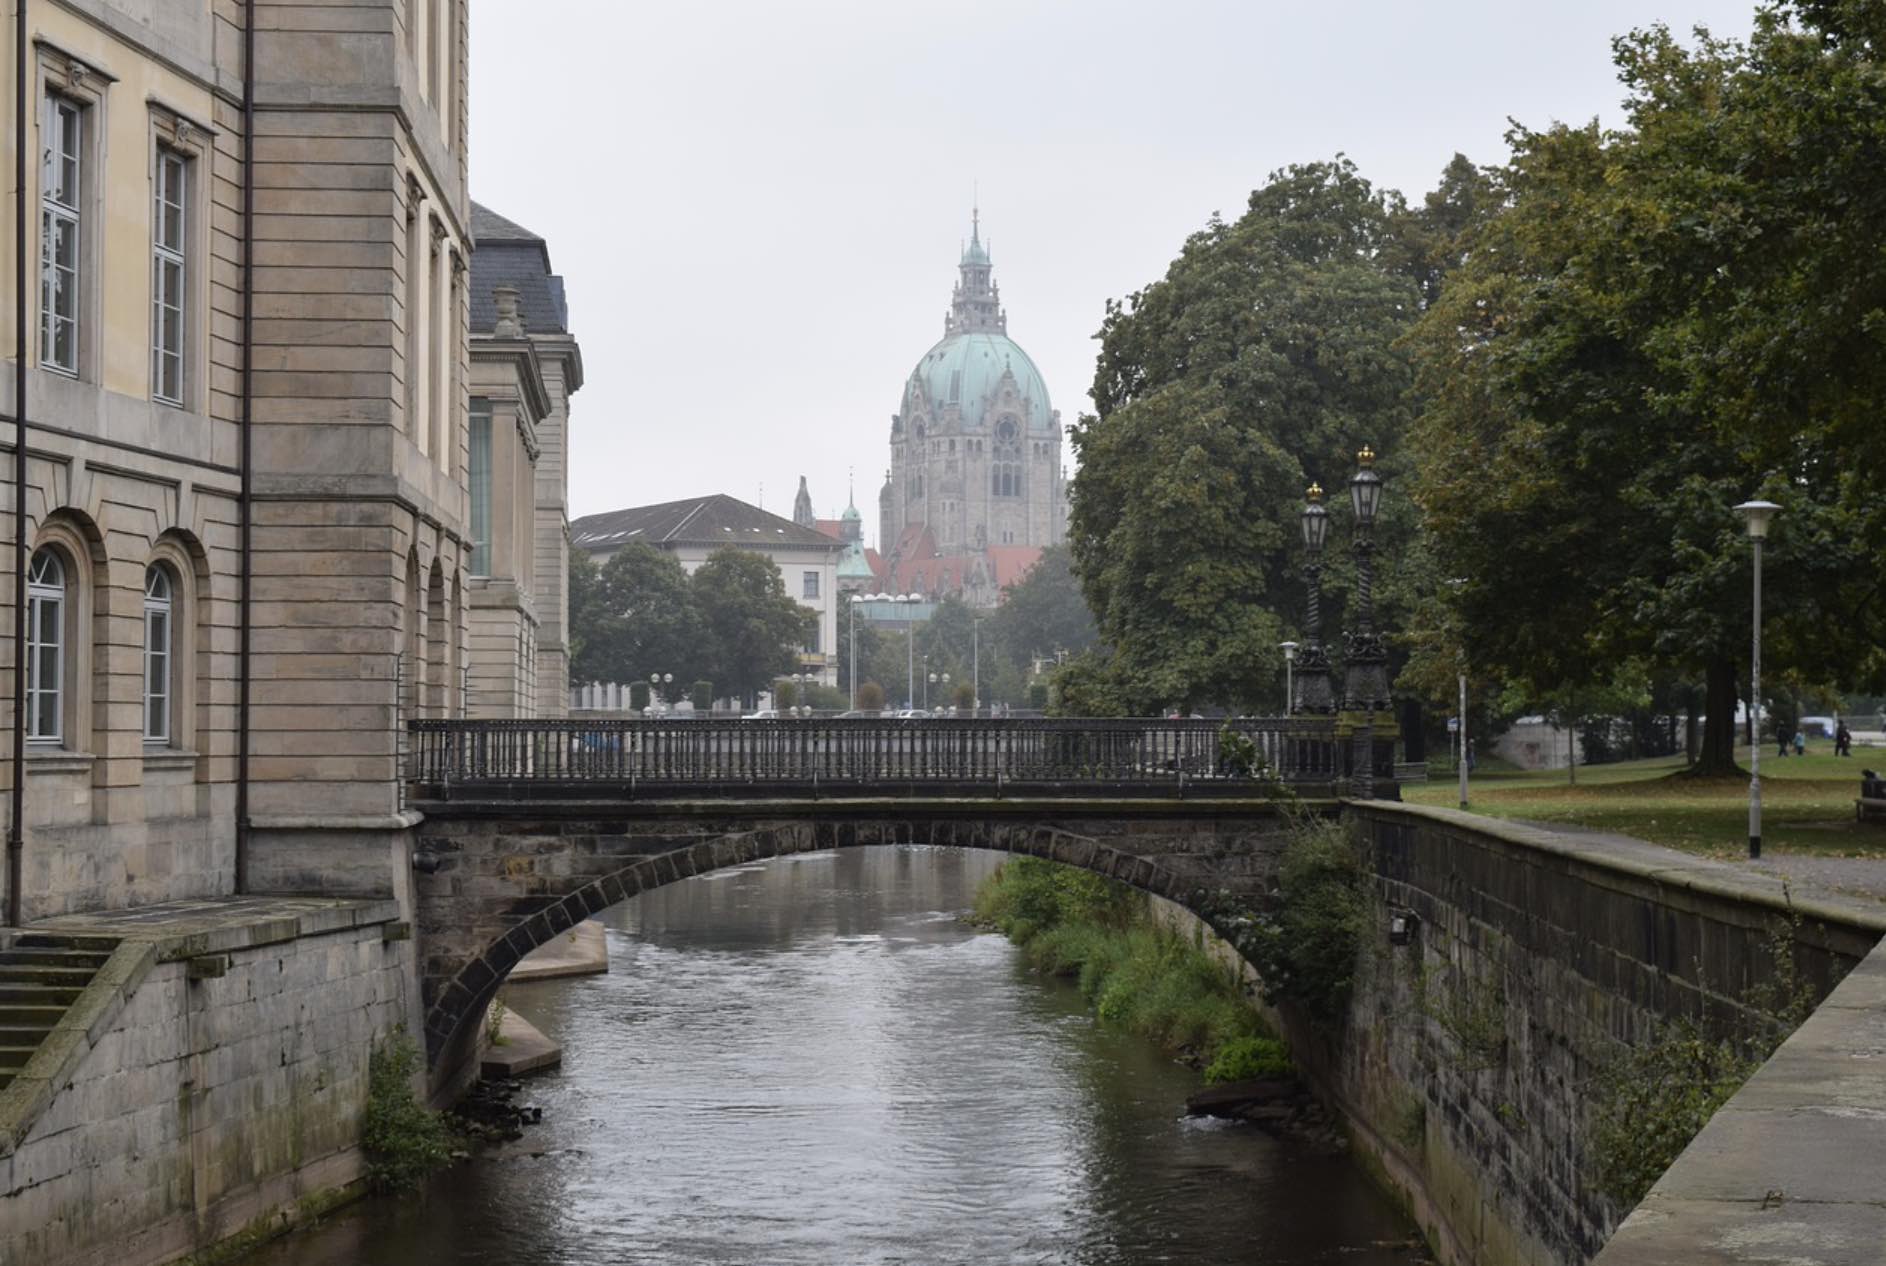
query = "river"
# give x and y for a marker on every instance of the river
(814, 1061)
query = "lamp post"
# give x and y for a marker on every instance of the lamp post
(1290, 658)
(975, 660)
(1313, 693)
(655, 683)
(910, 649)
(857, 600)
(1365, 669)
(1757, 513)
(1461, 763)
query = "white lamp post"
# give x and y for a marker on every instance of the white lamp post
(1757, 513)
(1290, 659)
(856, 601)
(909, 602)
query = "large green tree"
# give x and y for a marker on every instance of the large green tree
(1263, 360)
(1662, 322)
(753, 630)
(1041, 613)
(634, 615)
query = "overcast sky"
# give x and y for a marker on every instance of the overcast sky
(758, 205)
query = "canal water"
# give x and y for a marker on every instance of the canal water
(814, 1060)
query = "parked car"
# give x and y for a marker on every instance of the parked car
(859, 713)
(911, 714)
(764, 714)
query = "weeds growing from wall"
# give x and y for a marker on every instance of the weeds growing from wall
(1652, 1099)
(403, 1141)
(1307, 941)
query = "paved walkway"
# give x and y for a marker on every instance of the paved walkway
(1803, 872)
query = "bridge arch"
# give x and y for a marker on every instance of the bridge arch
(488, 892)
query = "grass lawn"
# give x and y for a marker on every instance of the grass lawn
(1807, 802)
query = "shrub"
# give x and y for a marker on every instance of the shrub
(1306, 945)
(1249, 1058)
(701, 694)
(638, 696)
(1653, 1099)
(403, 1141)
(871, 697)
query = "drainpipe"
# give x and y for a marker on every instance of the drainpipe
(244, 516)
(16, 838)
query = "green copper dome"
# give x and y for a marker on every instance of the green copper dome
(967, 370)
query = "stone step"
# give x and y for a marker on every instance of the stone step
(34, 974)
(90, 959)
(65, 941)
(18, 1015)
(61, 996)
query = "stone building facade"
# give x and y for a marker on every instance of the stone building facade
(158, 411)
(524, 366)
(975, 445)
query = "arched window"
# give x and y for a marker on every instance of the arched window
(159, 597)
(45, 648)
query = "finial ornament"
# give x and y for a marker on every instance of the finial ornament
(1314, 492)
(1366, 458)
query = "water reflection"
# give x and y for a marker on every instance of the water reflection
(814, 1061)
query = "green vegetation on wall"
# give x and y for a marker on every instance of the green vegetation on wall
(1138, 975)
(403, 1141)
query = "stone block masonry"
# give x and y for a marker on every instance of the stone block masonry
(208, 1106)
(1470, 1062)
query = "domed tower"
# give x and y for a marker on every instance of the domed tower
(975, 444)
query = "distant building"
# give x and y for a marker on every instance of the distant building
(692, 530)
(975, 488)
(524, 367)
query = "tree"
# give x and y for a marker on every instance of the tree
(752, 629)
(1640, 339)
(633, 616)
(1041, 613)
(1263, 360)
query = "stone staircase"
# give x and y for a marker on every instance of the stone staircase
(41, 976)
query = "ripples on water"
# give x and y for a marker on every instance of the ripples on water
(814, 1061)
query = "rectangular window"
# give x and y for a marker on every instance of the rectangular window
(60, 181)
(811, 584)
(480, 480)
(812, 641)
(167, 276)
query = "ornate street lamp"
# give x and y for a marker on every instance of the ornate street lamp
(1365, 666)
(1312, 684)
(1757, 513)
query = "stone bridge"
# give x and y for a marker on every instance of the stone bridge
(494, 879)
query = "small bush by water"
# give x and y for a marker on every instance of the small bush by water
(403, 1141)
(1248, 1059)
(1136, 974)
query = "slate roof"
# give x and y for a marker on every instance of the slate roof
(712, 520)
(505, 253)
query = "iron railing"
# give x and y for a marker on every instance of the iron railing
(730, 757)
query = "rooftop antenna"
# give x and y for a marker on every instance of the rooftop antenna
(762, 494)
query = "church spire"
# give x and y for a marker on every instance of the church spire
(976, 305)
(802, 507)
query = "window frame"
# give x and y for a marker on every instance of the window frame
(171, 257)
(160, 664)
(55, 106)
(809, 584)
(477, 469)
(41, 592)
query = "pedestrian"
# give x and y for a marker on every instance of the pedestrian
(1781, 738)
(1843, 740)
(1800, 743)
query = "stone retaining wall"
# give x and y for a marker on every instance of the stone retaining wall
(1469, 1061)
(208, 1108)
